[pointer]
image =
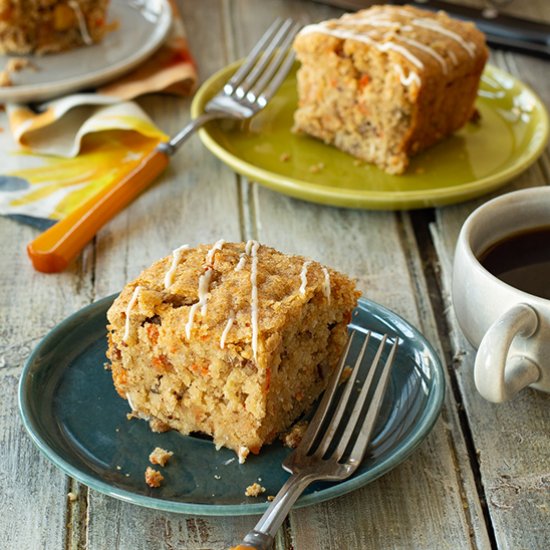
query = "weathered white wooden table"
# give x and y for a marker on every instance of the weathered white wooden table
(482, 477)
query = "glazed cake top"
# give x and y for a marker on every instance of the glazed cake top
(228, 292)
(427, 42)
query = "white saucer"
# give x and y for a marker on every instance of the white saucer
(142, 27)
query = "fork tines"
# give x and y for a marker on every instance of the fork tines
(266, 66)
(343, 424)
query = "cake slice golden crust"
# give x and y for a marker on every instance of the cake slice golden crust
(385, 83)
(233, 340)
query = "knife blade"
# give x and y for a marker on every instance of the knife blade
(502, 31)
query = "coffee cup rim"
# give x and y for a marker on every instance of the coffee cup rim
(481, 211)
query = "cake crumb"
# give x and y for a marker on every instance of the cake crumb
(270, 498)
(316, 168)
(118, 467)
(14, 65)
(292, 437)
(285, 157)
(153, 478)
(17, 64)
(216, 476)
(158, 426)
(160, 456)
(254, 490)
(72, 496)
(476, 117)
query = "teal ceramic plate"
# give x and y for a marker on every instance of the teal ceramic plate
(74, 416)
(476, 160)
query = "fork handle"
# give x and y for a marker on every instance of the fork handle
(263, 534)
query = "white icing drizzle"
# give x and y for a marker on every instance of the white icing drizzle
(403, 12)
(248, 247)
(242, 261)
(217, 246)
(379, 19)
(426, 49)
(130, 401)
(385, 46)
(452, 57)
(83, 28)
(372, 21)
(303, 277)
(129, 308)
(204, 283)
(403, 51)
(254, 296)
(326, 283)
(227, 329)
(409, 79)
(434, 26)
(176, 256)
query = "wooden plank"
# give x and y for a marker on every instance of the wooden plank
(512, 474)
(375, 256)
(511, 439)
(195, 201)
(368, 246)
(30, 484)
(124, 526)
(31, 303)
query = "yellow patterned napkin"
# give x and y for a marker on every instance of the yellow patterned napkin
(55, 159)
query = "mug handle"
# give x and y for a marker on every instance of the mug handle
(499, 377)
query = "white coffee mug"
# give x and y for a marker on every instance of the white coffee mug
(510, 327)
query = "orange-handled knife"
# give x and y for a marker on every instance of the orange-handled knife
(52, 251)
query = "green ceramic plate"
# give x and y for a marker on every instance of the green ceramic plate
(74, 416)
(476, 160)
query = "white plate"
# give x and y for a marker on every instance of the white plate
(142, 27)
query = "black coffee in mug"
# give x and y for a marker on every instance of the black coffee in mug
(522, 260)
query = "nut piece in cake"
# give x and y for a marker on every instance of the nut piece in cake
(234, 340)
(160, 456)
(153, 478)
(385, 83)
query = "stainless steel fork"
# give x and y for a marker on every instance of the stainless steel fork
(252, 86)
(336, 439)
(246, 93)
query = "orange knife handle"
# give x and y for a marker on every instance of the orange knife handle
(52, 251)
